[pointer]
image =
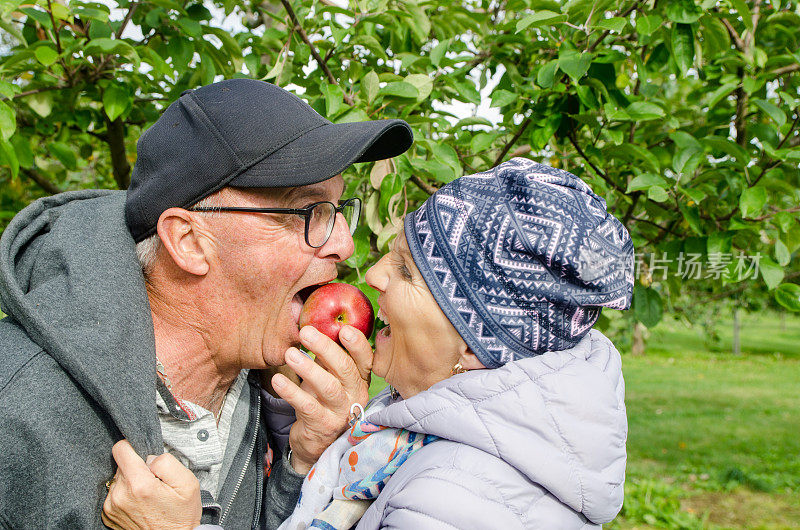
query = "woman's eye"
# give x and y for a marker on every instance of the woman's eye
(404, 272)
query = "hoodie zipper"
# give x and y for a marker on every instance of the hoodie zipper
(244, 469)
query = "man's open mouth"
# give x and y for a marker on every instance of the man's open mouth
(300, 298)
(385, 331)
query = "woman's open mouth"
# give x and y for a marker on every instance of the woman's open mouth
(386, 331)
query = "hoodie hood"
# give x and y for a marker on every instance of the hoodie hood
(558, 418)
(70, 277)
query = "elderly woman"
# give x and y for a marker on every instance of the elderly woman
(506, 410)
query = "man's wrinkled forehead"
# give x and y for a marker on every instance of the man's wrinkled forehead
(299, 196)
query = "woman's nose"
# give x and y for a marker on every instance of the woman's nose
(376, 277)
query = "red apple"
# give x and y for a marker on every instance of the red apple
(334, 305)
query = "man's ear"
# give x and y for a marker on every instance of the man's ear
(186, 240)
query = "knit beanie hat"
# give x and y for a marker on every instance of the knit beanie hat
(521, 258)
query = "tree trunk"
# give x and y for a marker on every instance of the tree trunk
(637, 348)
(115, 137)
(737, 349)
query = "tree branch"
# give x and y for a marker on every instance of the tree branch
(35, 91)
(119, 160)
(734, 35)
(347, 98)
(127, 19)
(41, 180)
(594, 167)
(424, 186)
(603, 35)
(785, 69)
(510, 144)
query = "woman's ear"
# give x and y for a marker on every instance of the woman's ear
(469, 361)
(185, 240)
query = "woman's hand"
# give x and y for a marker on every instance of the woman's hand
(331, 384)
(161, 493)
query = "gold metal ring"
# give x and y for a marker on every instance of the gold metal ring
(110, 482)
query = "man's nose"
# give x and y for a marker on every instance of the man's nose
(340, 245)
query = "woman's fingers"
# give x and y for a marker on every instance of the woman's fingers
(323, 384)
(359, 349)
(335, 360)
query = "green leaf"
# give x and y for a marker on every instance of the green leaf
(645, 181)
(752, 201)
(744, 13)
(546, 74)
(658, 194)
(8, 156)
(647, 305)
(372, 44)
(41, 103)
(22, 150)
(334, 98)
(615, 114)
(466, 89)
(717, 95)
(692, 216)
(420, 23)
(46, 55)
(8, 121)
(64, 154)
(501, 98)
(574, 64)
(682, 40)
(683, 11)
(362, 247)
(190, 27)
(115, 100)
(12, 29)
(646, 25)
(728, 147)
(788, 295)
(719, 243)
(435, 169)
(423, 84)
(782, 253)
(370, 85)
(773, 111)
(112, 46)
(643, 111)
(391, 185)
(540, 18)
(438, 52)
(614, 24)
(399, 89)
(771, 272)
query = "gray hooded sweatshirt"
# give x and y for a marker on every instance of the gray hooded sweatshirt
(77, 373)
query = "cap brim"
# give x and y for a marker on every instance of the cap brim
(327, 151)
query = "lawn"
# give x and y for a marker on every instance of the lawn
(714, 440)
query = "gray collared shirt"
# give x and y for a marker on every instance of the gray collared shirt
(192, 434)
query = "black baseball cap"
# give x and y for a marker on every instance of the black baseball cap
(245, 133)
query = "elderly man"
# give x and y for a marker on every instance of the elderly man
(141, 315)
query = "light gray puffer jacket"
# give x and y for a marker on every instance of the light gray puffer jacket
(537, 443)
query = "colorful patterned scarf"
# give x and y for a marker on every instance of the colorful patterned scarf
(351, 473)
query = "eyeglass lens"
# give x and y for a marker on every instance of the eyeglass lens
(323, 218)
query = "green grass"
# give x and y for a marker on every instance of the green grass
(714, 439)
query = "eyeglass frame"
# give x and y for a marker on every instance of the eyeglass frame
(302, 212)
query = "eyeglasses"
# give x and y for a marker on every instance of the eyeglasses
(320, 217)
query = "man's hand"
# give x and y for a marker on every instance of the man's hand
(330, 386)
(161, 493)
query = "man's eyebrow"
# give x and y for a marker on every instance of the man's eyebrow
(304, 194)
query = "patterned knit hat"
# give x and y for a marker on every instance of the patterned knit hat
(521, 258)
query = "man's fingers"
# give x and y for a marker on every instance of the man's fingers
(359, 349)
(131, 466)
(172, 473)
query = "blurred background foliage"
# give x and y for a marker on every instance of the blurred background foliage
(683, 115)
